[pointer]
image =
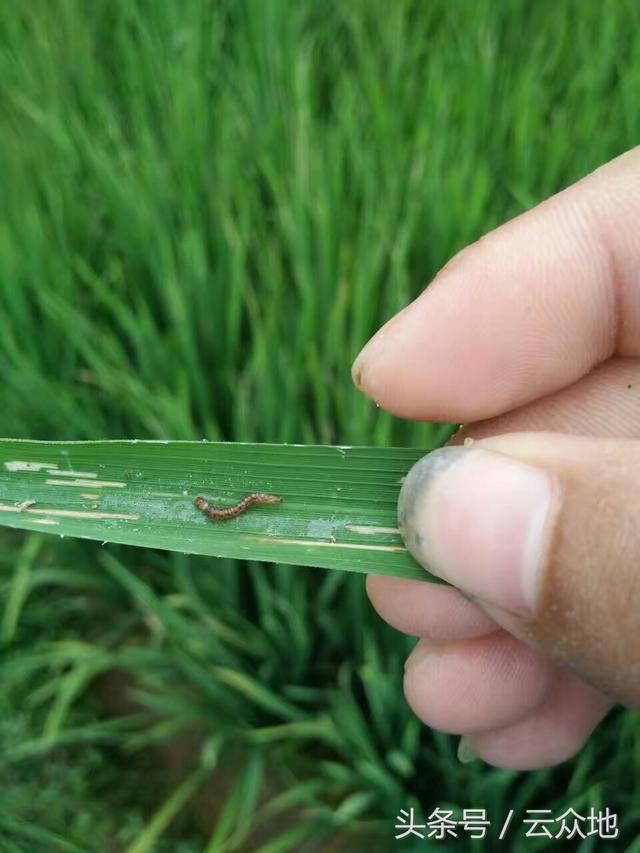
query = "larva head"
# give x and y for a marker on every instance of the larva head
(269, 499)
(201, 504)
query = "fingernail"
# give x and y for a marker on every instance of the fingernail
(420, 652)
(373, 350)
(359, 365)
(356, 371)
(482, 521)
(466, 752)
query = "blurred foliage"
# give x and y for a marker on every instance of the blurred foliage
(205, 210)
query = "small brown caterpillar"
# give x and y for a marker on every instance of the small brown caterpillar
(216, 514)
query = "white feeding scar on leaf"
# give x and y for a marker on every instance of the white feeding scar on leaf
(17, 465)
(71, 513)
(95, 484)
(306, 543)
(323, 528)
(167, 494)
(370, 530)
(90, 475)
(24, 505)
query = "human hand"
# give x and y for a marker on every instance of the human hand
(534, 327)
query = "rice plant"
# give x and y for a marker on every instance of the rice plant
(205, 210)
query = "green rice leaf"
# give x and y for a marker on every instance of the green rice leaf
(173, 805)
(338, 508)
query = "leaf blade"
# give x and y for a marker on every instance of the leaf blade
(338, 508)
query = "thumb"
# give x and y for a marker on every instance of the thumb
(543, 530)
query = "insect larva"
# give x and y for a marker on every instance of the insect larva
(216, 514)
(24, 505)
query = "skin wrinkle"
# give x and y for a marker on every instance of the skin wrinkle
(430, 610)
(571, 608)
(571, 225)
(437, 670)
(614, 211)
(552, 733)
(582, 615)
(603, 249)
(583, 409)
(568, 217)
(608, 207)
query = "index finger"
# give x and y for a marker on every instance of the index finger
(527, 310)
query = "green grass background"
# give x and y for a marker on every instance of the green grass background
(206, 208)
